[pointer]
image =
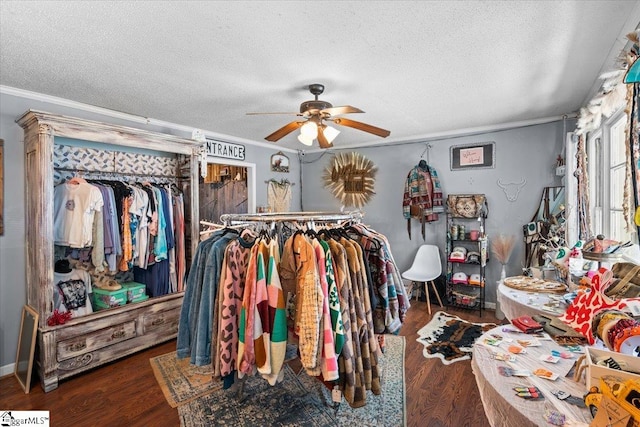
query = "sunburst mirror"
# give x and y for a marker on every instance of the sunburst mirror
(350, 177)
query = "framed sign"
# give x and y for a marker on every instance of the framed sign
(473, 156)
(227, 150)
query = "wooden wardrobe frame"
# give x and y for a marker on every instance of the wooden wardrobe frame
(92, 340)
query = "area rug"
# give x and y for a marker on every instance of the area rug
(301, 400)
(450, 338)
(180, 381)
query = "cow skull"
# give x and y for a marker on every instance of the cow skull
(512, 189)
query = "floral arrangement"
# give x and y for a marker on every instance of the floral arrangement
(502, 246)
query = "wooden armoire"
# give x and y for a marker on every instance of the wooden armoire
(92, 340)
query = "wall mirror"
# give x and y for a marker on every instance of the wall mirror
(26, 347)
(551, 204)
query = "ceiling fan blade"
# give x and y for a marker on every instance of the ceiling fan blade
(289, 113)
(345, 109)
(362, 126)
(322, 140)
(284, 131)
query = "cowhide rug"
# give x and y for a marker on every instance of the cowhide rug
(450, 338)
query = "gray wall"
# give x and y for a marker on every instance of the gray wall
(12, 243)
(528, 152)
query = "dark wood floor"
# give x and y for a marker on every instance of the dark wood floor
(126, 392)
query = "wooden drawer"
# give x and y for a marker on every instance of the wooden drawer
(166, 321)
(95, 340)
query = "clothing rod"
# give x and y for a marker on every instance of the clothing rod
(283, 181)
(291, 216)
(117, 173)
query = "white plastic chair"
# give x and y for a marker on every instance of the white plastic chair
(426, 267)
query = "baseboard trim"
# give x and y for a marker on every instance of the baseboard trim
(7, 369)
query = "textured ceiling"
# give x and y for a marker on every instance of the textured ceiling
(415, 68)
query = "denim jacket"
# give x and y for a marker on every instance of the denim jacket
(191, 299)
(201, 348)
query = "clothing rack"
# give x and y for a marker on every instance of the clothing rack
(81, 172)
(229, 219)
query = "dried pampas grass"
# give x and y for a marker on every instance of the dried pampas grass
(502, 246)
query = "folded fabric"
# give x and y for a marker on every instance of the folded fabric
(527, 325)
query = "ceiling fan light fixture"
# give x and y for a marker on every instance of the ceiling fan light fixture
(330, 133)
(306, 141)
(309, 130)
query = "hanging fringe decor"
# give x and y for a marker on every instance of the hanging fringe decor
(351, 177)
(584, 221)
(612, 95)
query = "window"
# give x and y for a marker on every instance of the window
(606, 154)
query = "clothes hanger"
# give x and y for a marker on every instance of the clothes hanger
(422, 164)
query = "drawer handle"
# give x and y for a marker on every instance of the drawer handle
(157, 322)
(77, 346)
(118, 334)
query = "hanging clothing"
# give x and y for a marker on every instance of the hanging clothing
(189, 323)
(422, 196)
(330, 291)
(279, 196)
(277, 316)
(74, 207)
(232, 288)
(393, 303)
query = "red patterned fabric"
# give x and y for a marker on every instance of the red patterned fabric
(587, 305)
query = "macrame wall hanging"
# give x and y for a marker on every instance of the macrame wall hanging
(351, 177)
(279, 195)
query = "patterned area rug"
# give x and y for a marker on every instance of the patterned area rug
(303, 401)
(450, 338)
(180, 381)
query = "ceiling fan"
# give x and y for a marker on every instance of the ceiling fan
(315, 112)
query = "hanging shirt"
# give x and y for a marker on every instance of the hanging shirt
(74, 207)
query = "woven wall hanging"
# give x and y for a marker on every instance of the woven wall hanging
(350, 177)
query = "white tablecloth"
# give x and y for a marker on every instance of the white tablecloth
(515, 303)
(501, 405)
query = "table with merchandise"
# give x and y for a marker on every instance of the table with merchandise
(522, 379)
(515, 302)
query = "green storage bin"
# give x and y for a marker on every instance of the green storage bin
(135, 291)
(102, 298)
(142, 298)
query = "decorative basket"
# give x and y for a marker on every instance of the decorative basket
(465, 299)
